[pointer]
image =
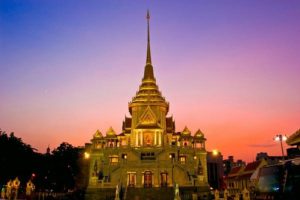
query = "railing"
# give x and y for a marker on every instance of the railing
(175, 147)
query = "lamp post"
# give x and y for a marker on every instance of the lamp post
(281, 138)
(172, 156)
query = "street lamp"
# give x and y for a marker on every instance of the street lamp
(281, 138)
(215, 152)
(172, 157)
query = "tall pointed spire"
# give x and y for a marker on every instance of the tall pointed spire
(148, 61)
(148, 93)
(148, 73)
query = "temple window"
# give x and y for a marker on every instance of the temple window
(98, 145)
(114, 159)
(111, 143)
(182, 159)
(148, 156)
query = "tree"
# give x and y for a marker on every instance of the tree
(16, 158)
(65, 166)
(56, 171)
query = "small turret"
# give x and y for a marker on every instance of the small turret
(110, 132)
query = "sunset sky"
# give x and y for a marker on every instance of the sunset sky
(230, 68)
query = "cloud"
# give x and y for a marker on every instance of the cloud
(262, 145)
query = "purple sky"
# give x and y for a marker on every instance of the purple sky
(230, 68)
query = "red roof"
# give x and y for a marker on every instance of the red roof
(245, 176)
(235, 170)
(252, 166)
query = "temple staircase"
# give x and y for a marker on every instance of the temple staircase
(164, 193)
(100, 194)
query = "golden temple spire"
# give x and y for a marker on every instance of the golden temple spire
(148, 93)
(148, 73)
(148, 60)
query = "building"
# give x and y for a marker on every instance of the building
(229, 164)
(149, 153)
(215, 170)
(241, 177)
(294, 140)
(231, 179)
(271, 160)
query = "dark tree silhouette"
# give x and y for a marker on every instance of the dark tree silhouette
(65, 166)
(55, 171)
(16, 158)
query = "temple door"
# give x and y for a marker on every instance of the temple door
(164, 179)
(148, 179)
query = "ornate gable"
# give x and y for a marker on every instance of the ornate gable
(148, 117)
(110, 132)
(186, 131)
(98, 134)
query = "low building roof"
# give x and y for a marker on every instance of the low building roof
(294, 139)
(250, 167)
(235, 171)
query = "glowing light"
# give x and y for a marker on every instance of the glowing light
(280, 138)
(284, 138)
(215, 152)
(86, 155)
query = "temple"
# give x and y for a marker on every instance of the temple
(149, 153)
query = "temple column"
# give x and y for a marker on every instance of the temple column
(155, 135)
(141, 138)
(159, 138)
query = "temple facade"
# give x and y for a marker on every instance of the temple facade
(149, 152)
